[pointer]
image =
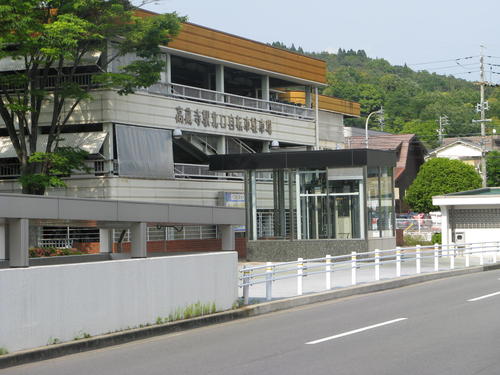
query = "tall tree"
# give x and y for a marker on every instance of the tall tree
(493, 168)
(440, 176)
(49, 41)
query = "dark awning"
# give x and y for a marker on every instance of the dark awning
(303, 159)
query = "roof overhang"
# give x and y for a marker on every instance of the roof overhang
(303, 159)
(213, 60)
(90, 142)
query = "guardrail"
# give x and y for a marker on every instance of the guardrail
(217, 97)
(329, 265)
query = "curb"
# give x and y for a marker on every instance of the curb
(102, 341)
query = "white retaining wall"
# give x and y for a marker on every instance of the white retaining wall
(38, 304)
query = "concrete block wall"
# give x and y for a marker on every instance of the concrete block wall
(282, 251)
(39, 304)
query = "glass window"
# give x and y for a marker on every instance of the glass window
(386, 220)
(373, 202)
(328, 209)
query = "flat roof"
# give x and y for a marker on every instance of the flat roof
(303, 159)
(477, 192)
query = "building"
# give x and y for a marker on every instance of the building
(220, 94)
(311, 203)
(470, 216)
(466, 149)
(410, 156)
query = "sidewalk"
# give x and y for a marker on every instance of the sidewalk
(341, 275)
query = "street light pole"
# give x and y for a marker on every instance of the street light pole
(380, 112)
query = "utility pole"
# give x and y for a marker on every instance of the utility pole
(443, 122)
(482, 107)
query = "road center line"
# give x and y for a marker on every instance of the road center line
(354, 331)
(482, 297)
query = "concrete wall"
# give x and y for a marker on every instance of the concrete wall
(63, 301)
(276, 251)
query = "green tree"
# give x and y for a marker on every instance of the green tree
(440, 176)
(50, 41)
(493, 168)
(425, 130)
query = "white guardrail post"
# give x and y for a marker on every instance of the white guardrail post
(451, 254)
(328, 272)
(494, 252)
(246, 287)
(436, 257)
(300, 275)
(398, 261)
(418, 260)
(269, 281)
(353, 268)
(377, 264)
(481, 255)
(468, 249)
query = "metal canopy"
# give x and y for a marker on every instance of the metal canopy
(303, 159)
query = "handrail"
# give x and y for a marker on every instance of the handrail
(271, 272)
(232, 100)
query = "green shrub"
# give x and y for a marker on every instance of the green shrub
(412, 241)
(3, 351)
(436, 238)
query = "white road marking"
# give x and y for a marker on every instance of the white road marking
(355, 331)
(482, 297)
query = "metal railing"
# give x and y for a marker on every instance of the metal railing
(182, 170)
(353, 262)
(96, 167)
(217, 97)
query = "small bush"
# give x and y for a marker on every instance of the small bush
(37, 252)
(436, 238)
(3, 351)
(411, 241)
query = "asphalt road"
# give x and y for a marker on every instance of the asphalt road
(439, 327)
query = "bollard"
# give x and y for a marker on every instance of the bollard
(418, 262)
(481, 255)
(398, 261)
(451, 254)
(246, 287)
(377, 264)
(353, 268)
(467, 255)
(328, 274)
(494, 253)
(436, 257)
(269, 281)
(300, 275)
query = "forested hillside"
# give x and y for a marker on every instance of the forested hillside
(413, 101)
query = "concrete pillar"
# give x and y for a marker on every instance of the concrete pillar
(19, 242)
(3, 239)
(221, 145)
(219, 81)
(108, 147)
(265, 88)
(266, 146)
(138, 232)
(445, 226)
(227, 235)
(308, 96)
(105, 240)
(168, 68)
(251, 205)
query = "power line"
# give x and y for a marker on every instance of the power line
(441, 61)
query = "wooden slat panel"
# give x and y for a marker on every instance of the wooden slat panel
(327, 103)
(216, 44)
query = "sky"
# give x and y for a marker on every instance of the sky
(424, 34)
